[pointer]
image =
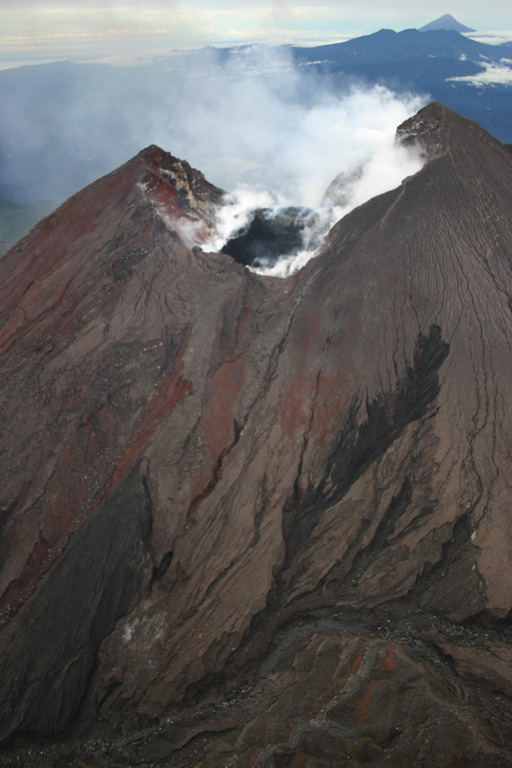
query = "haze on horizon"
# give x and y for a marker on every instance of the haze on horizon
(35, 31)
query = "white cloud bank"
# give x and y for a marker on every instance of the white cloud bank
(490, 37)
(491, 74)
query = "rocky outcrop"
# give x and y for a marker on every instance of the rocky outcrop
(250, 521)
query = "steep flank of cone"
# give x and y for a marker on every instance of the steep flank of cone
(262, 522)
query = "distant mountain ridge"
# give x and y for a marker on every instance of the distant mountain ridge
(386, 45)
(425, 62)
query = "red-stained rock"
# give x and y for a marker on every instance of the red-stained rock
(250, 521)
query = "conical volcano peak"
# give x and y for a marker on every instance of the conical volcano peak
(178, 191)
(189, 183)
(435, 129)
(253, 522)
(427, 129)
(446, 22)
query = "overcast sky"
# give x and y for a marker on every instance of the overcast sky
(33, 30)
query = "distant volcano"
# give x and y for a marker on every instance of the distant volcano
(445, 22)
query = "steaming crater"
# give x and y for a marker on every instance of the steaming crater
(277, 238)
(273, 234)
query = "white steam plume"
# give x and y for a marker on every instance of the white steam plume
(234, 215)
(298, 147)
(264, 130)
(289, 132)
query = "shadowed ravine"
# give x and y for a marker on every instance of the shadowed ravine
(259, 522)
